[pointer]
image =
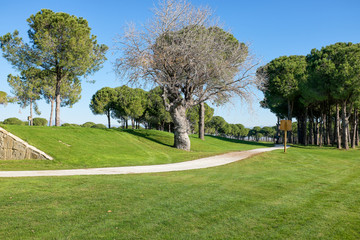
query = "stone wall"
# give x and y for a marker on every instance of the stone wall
(12, 147)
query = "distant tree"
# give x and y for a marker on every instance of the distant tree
(60, 43)
(103, 101)
(155, 113)
(3, 98)
(193, 116)
(27, 89)
(218, 123)
(88, 124)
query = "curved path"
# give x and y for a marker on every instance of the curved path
(181, 166)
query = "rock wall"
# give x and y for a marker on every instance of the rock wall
(12, 147)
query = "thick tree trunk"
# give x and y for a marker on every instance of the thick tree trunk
(338, 135)
(202, 121)
(31, 123)
(181, 138)
(345, 126)
(108, 117)
(132, 123)
(51, 112)
(58, 101)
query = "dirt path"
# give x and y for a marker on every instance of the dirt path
(181, 166)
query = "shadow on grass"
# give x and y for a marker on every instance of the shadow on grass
(242, 141)
(312, 146)
(144, 134)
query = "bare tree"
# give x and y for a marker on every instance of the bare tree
(183, 50)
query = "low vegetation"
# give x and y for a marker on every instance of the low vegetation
(308, 193)
(79, 147)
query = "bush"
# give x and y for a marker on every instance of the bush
(70, 125)
(13, 121)
(40, 122)
(99, 125)
(88, 124)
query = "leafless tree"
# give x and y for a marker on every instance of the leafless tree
(183, 50)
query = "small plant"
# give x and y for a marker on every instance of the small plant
(99, 125)
(88, 124)
(40, 122)
(70, 125)
(13, 121)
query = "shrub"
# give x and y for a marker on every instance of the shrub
(99, 125)
(13, 121)
(70, 125)
(40, 122)
(88, 124)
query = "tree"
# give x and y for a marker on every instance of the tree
(61, 44)
(103, 101)
(281, 79)
(70, 92)
(27, 89)
(193, 115)
(155, 113)
(340, 64)
(182, 51)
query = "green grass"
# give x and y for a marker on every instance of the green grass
(308, 193)
(77, 147)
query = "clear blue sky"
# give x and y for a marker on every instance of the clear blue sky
(273, 28)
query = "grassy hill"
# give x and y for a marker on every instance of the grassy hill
(77, 147)
(308, 193)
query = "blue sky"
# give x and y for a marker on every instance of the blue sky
(273, 28)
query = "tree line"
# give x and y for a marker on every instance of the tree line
(321, 90)
(126, 104)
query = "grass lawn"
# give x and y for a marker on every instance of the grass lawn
(77, 147)
(308, 193)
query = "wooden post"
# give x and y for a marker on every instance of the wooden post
(285, 125)
(285, 139)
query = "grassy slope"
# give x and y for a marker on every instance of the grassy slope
(112, 147)
(308, 193)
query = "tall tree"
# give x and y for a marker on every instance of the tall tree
(181, 51)
(60, 43)
(70, 92)
(27, 89)
(102, 102)
(340, 64)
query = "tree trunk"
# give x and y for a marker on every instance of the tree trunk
(311, 128)
(354, 129)
(58, 101)
(338, 135)
(51, 112)
(181, 138)
(31, 123)
(289, 118)
(169, 127)
(132, 123)
(345, 125)
(202, 121)
(305, 127)
(277, 136)
(108, 117)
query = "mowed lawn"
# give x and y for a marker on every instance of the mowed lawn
(77, 147)
(308, 193)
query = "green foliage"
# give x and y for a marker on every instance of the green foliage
(88, 124)
(13, 121)
(40, 122)
(3, 97)
(102, 101)
(192, 114)
(98, 125)
(69, 125)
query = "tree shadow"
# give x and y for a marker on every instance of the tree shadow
(270, 144)
(146, 135)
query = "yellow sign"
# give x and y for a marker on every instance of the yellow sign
(285, 125)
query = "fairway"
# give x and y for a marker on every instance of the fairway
(308, 193)
(77, 147)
